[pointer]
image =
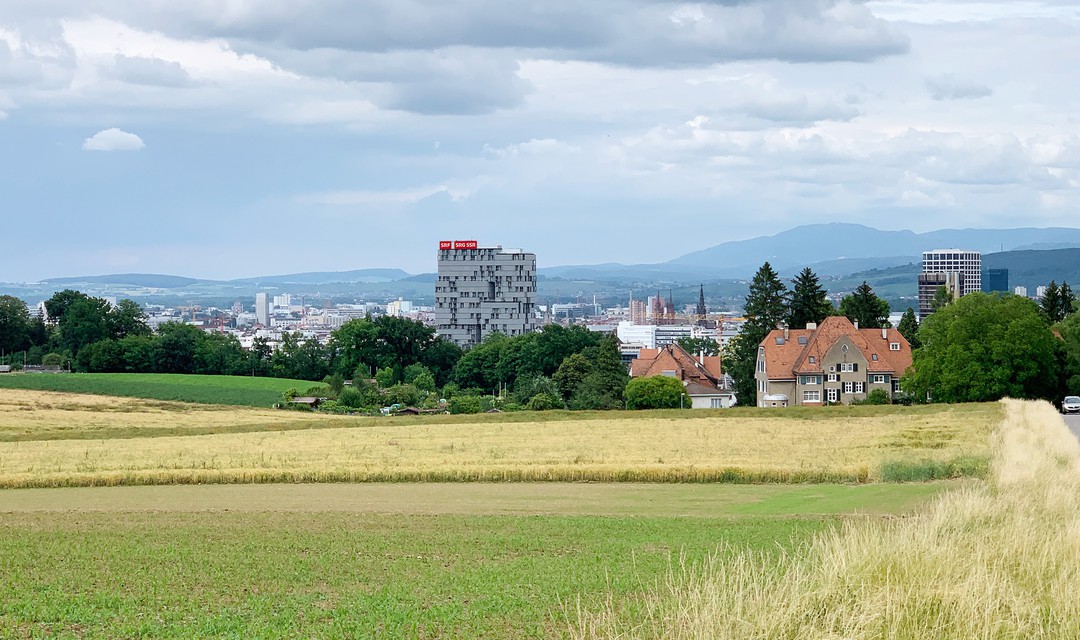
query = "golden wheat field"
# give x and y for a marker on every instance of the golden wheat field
(999, 559)
(122, 441)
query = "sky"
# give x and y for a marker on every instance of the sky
(234, 138)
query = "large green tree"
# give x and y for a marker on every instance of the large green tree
(1050, 303)
(765, 308)
(809, 301)
(1070, 336)
(695, 346)
(865, 308)
(15, 325)
(985, 347)
(1057, 302)
(909, 328)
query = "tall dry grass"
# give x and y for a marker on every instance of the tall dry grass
(999, 560)
(122, 443)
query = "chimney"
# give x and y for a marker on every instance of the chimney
(856, 325)
(884, 333)
(811, 326)
(785, 334)
(701, 357)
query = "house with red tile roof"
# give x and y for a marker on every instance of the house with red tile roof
(702, 375)
(835, 362)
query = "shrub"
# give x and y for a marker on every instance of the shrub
(876, 396)
(351, 398)
(465, 404)
(656, 392)
(543, 402)
(52, 360)
(335, 382)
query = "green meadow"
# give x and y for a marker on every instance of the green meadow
(227, 390)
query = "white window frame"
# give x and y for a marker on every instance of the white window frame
(860, 387)
(809, 380)
(811, 395)
(847, 367)
(834, 377)
(894, 346)
(879, 378)
(716, 403)
(848, 387)
(833, 395)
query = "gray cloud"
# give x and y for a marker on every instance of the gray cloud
(149, 71)
(950, 87)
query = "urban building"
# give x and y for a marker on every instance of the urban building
(1021, 291)
(483, 290)
(836, 362)
(995, 280)
(1040, 291)
(959, 271)
(262, 309)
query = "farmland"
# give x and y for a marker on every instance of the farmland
(227, 390)
(88, 440)
(992, 560)
(202, 541)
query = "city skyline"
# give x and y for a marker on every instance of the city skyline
(221, 141)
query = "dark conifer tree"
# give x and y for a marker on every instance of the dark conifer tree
(765, 308)
(865, 308)
(809, 301)
(909, 327)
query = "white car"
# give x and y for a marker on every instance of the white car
(1071, 404)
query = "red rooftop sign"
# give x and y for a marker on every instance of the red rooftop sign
(457, 244)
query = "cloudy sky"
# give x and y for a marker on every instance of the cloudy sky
(229, 138)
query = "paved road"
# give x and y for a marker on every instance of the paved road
(1074, 423)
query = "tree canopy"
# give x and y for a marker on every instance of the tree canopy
(809, 302)
(909, 328)
(985, 347)
(656, 392)
(1057, 302)
(864, 307)
(765, 308)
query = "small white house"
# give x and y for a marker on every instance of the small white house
(706, 397)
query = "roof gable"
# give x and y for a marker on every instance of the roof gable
(787, 358)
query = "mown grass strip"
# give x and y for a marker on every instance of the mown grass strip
(225, 390)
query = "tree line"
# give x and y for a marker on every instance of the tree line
(556, 367)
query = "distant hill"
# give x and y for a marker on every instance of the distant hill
(1028, 268)
(817, 243)
(152, 280)
(1034, 268)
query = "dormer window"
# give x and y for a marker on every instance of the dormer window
(894, 346)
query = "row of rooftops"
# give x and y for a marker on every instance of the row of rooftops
(792, 352)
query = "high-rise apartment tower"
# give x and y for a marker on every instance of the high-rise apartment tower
(483, 290)
(959, 271)
(262, 309)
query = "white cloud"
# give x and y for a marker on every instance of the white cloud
(113, 140)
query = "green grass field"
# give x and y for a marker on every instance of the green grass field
(228, 390)
(380, 561)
